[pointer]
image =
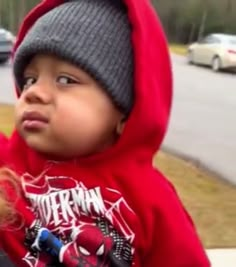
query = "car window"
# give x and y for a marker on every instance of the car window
(228, 40)
(210, 40)
(216, 40)
(206, 40)
(232, 41)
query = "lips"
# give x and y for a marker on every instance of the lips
(34, 120)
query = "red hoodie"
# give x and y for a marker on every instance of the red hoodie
(112, 209)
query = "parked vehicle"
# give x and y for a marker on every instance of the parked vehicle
(7, 40)
(215, 50)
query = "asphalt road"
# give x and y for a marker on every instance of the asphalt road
(7, 94)
(203, 121)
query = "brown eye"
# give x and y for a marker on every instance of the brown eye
(65, 80)
(28, 81)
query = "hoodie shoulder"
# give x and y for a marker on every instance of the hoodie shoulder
(170, 228)
(14, 154)
(4, 141)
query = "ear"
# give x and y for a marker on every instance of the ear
(120, 126)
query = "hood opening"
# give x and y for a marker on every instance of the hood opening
(148, 121)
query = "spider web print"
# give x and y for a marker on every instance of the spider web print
(78, 206)
(123, 249)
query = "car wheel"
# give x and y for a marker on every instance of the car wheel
(4, 60)
(190, 57)
(216, 64)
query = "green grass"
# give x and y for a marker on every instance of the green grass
(178, 49)
(6, 119)
(210, 201)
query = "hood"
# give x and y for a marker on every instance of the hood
(147, 124)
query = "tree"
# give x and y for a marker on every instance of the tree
(188, 20)
(183, 20)
(13, 11)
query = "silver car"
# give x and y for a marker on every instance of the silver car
(6, 44)
(215, 50)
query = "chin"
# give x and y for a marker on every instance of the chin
(36, 145)
(48, 152)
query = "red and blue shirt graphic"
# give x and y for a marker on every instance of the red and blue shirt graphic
(76, 226)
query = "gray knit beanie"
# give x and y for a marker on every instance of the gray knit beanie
(94, 35)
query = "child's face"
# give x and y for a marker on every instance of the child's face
(63, 112)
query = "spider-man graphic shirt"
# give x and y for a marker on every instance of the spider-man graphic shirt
(75, 225)
(112, 209)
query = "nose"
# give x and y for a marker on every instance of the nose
(38, 93)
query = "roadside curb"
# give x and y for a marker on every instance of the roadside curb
(198, 163)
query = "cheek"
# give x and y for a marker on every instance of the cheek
(17, 112)
(84, 120)
(75, 116)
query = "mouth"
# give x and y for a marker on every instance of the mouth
(34, 120)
